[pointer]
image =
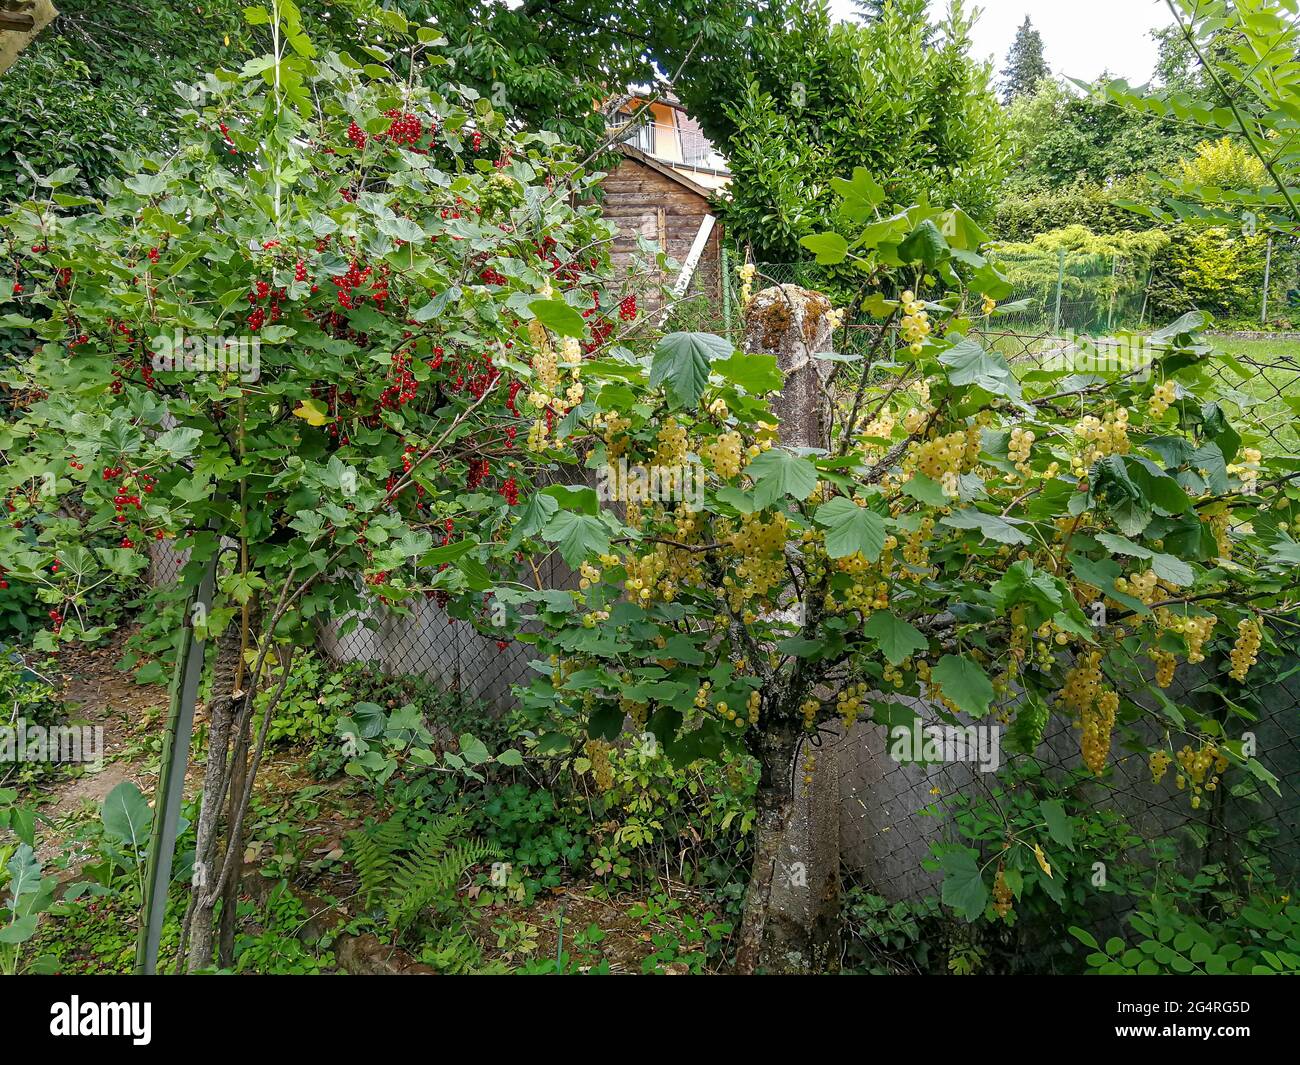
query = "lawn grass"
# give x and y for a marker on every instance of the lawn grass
(1276, 378)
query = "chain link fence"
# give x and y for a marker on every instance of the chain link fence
(892, 814)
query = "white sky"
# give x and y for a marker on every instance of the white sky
(1081, 39)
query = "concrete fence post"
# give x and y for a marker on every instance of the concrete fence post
(800, 933)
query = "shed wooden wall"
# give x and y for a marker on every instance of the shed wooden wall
(640, 199)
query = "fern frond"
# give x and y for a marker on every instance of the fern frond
(430, 871)
(407, 875)
(374, 851)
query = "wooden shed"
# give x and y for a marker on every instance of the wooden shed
(650, 197)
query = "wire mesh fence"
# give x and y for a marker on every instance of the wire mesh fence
(892, 814)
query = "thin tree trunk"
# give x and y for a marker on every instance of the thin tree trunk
(222, 709)
(235, 830)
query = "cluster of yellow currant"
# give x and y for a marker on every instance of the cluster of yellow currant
(942, 459)
(1018, 449)
(1195, 631)
(1245, 651)
(1083, 683)
(597, 752)
(881, 426)
(916, 551)
(849, 703)
(915, 325)
(1142, 586)
(723, 454)
(1162, 396)
(897, 675)
(1247, 469)
(1103, 436)
(593, 618)
(1002, 897)
(865, 594)
(1194, 767)
(1221, 525)
(1158, 762)
(761, 545)
(746, 272)
(671, 444)
(809, 766)
(538, 435)
(1098, 723)
(612, 426)
(1165, 662)
(808, 708)
(1096, 706)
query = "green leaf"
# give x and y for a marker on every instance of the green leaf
(681, 363)
(778, 473)
(924, 244)
(970, 364)
(1003, 530)
(1022, 583)
(965, 683)
(860, 194)
(579, 536)
(1167, 567)
(179, 442)
(754, 373)
(963, 886)
(20, 930)
(896, 638)
(830, 248)
(473, 750)
(126, 815)
(851, 529)
(559, 317)
(1058, 823)
(925, 490)
(533, 516)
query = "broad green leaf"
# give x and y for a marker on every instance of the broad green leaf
(963, 886)
(965, 683)
(777, 473)
(756, 374)
(559, 317)
(682, 362)
(896, 638)
(126, 815)
(830, 248)
(579, 536)
(1003, 530)
(851, 529)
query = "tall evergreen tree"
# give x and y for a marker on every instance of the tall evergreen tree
(1026, 66)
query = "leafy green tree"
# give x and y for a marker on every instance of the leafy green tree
(814, 99)
(1026, 65)
(1062, 136)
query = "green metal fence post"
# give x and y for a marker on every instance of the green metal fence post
(1060, 282)
(171, 774)
(1268, 267)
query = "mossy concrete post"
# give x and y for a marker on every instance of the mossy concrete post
(795, 894)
